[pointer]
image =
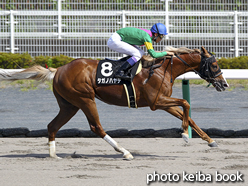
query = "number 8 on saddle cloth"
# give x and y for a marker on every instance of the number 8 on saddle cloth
(107, 68)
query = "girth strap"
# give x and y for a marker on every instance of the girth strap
(131, 94)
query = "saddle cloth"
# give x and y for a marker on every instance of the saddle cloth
(105, 76)
(107, 68)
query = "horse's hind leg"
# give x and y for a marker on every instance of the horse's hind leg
(89, 108)
(67, 111)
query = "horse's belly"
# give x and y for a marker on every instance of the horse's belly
(114, 95)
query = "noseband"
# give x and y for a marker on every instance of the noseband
(205, 71)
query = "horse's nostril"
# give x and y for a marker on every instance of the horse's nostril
(226, 85)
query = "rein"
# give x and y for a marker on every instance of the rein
(189, 66)
(151, 70)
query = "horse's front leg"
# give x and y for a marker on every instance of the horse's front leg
(177, 112)
(166, 103)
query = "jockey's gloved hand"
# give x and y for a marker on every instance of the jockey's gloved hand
(170, 53)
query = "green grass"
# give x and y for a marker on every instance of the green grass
(26, 85)
(193, 82)
(238, 84)
(242, 84)
(29, 85)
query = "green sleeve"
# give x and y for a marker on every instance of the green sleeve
(156, 54)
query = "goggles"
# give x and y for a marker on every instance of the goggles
(161, 36)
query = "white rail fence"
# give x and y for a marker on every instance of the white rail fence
(84, 32)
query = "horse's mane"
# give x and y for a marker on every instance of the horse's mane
(182, 50)
(148, 61)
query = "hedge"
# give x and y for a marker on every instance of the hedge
(233, 63)
(15, 61)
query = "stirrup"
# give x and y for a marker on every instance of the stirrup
(123, 76)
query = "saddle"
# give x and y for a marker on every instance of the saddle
(106, 70)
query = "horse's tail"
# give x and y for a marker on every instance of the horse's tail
(37, 72)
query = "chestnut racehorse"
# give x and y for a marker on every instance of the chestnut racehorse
(74, 86)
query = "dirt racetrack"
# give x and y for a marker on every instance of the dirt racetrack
(25, 161)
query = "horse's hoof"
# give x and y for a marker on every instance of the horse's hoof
(56, 157)
(128, 156)
(185, 137)
(213, 144)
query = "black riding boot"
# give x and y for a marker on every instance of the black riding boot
(122, 71)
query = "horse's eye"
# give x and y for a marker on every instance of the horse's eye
(214, 67)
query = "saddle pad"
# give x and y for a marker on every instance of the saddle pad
(107, 68)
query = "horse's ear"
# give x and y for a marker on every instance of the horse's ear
(205, 52)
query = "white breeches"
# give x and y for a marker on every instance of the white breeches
(115, 43)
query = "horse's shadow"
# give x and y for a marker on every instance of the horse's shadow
(87, 156)
(25, 156)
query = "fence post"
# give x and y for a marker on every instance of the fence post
(236, 34)
(186, 96)
(124, 23)
(12, 32)
(59, 25)
(167, 23)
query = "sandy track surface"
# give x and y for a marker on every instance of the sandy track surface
(25, 161)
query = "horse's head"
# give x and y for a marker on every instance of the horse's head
(211, 72)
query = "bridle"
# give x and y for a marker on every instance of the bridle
(205, 71)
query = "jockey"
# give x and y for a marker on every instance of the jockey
(125, 41)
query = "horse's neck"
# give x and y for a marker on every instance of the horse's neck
(180, 68)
